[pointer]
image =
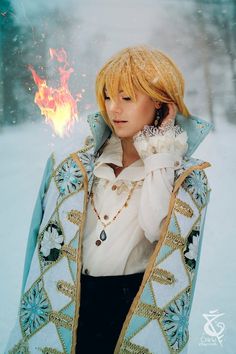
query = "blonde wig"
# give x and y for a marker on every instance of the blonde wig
(145, 69)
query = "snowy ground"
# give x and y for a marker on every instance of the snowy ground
(23, 152)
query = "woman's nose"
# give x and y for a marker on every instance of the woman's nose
(114, 106)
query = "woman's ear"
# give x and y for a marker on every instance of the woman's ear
(157, 104)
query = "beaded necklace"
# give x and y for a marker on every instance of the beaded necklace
(103, 235)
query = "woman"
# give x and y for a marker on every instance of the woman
(115, 237)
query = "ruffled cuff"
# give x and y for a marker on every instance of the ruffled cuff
(162, 152)
(152, 140)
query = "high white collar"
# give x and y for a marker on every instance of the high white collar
(113, 153)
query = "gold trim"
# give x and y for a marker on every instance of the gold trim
(22, 345)
(61, 320)
(153, 257)
(182, 177)
(131, 348)
(74, 216)
(78, 256)
(47, 350)
(84, 149)
(66, 288)
(149, 311)
(183, 208)
(69, 252)
(174, 241)
(163, 276)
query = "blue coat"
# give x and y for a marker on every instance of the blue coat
(158, 319)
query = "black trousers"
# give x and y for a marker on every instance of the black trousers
(104, 304)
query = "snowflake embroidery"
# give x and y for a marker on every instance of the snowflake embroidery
(196, 184)
(88, 162)
(68, 177)
(175, 321)
(186, 164)
(34, 310)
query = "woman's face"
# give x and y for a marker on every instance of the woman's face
(127, 117)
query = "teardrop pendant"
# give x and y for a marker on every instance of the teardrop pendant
(103, 235)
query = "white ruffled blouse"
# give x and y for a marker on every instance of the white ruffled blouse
(132, 236)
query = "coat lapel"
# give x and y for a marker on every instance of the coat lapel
(158, 319)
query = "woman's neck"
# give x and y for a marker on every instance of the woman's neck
(130, 154)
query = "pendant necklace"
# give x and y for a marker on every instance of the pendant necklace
(103, 235)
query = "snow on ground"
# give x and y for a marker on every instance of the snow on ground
(24, 150)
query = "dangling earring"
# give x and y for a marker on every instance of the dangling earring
(157, 117)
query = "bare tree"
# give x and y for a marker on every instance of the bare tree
(204, 44)
(217, 20)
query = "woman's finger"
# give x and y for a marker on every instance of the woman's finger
(171, 114)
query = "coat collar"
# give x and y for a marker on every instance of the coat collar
(197, 129)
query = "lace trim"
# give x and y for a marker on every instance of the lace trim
(150, 130)
(171, 138)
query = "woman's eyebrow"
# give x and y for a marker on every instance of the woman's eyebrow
(119, 91)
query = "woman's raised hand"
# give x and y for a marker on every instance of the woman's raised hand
(169, 120)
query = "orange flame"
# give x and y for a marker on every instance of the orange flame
(57, 104)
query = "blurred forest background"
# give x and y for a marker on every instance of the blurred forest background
(200, 35)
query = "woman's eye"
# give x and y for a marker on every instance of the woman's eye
(124, 98)
(127, 98)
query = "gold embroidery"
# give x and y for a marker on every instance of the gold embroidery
(48, 350)
(69, 252)
(79, 263)
(84, 149)
(74, 157)
(154, 255)
(21, 347)
(59, 319)
(74, 216)
(88, 140)
(163, 276)
(131, 348)
(149, 311)
(174, 241)
(183, 208)
(66, 288)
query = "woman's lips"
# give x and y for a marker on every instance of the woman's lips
(119, 121)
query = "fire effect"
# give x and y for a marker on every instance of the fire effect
(57, 104)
